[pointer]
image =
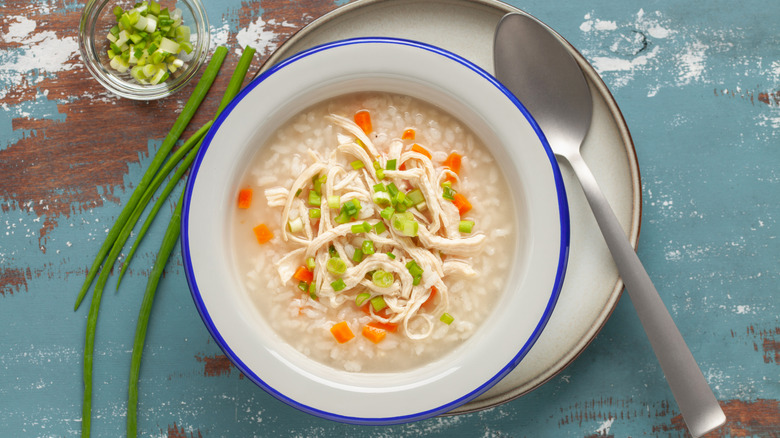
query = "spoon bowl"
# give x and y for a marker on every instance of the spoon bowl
(550, 84)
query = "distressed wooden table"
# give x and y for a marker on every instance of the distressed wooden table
(701, 96)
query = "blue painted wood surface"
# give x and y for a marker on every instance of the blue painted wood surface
(698, 83)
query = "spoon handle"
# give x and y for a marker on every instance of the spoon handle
(698, 405)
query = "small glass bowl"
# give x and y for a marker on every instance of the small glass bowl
(96, 21)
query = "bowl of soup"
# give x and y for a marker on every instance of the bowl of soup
(375, 231)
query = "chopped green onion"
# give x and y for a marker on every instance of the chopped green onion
(368, 247)
(391, 164)
(404, 222)
(357, 164)
(334, 202)
(380, 174)
(392, 189)
(295, 225)
(465, 226)
(338, 285)
(380, 227)
(382, 199)
(448, 193)
(416, 196)
(298, 193)
(332, 251)
(378, 303)
(379, 187)
(314, 198)
(313, 290)
(342, 218)
(336, 266)
(303, 286)
(361, 298)
(382, 278)
(391, 255)
(416, 271)
(310, 263)
(318, 181)
(365, 227)
(376, 165)
(315, 213)
(387, 213)
(446, 318)
(357, 257)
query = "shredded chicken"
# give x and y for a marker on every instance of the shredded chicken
(350, 177)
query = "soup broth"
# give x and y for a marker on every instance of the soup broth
(379, 235)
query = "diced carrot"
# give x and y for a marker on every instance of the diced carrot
(462, 203)
(421, 150)
(342, 332)
(363, 119)
(244, 198)
(408, 134)
(387, 326)
(402, 166)
(453, 162)
(262, 233)
(374, 334)
(428, 302)
(303, 274)
(449, 177)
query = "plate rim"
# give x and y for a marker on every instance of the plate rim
(636, 205)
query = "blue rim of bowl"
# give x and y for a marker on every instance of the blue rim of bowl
(563, 208)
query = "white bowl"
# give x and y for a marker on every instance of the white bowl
(492, 113)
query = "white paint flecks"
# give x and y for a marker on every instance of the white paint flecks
(258, 36)
(691, 62)
(595, 24)
(604, 427)
(40, 54)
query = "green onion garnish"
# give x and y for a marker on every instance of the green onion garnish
(361, 298)
(380, 227)
(380, 174)
(416, 196)
(446, 318)
(465, 226)
(310, 263)
(332, 251)
(381, 199)
(368, 247)
(336, 266)
(338, 285)
(391, 255)
(318, 182)
(315, 213)
(391, 164)
(379, 187)
(448, 193)
(295, 225)
(382, 278)
(378, 303)
(392, 189)
(314, 198)
(334, 202)
(357, 257)
(387, 213)
(313, 290)
(404, 222)
(357, 164)
(302, 285)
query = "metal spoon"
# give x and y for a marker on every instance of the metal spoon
(535, 65)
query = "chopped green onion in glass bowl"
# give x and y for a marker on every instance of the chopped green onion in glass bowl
(143, 50)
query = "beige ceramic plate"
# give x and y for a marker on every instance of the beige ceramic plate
(592, 285)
